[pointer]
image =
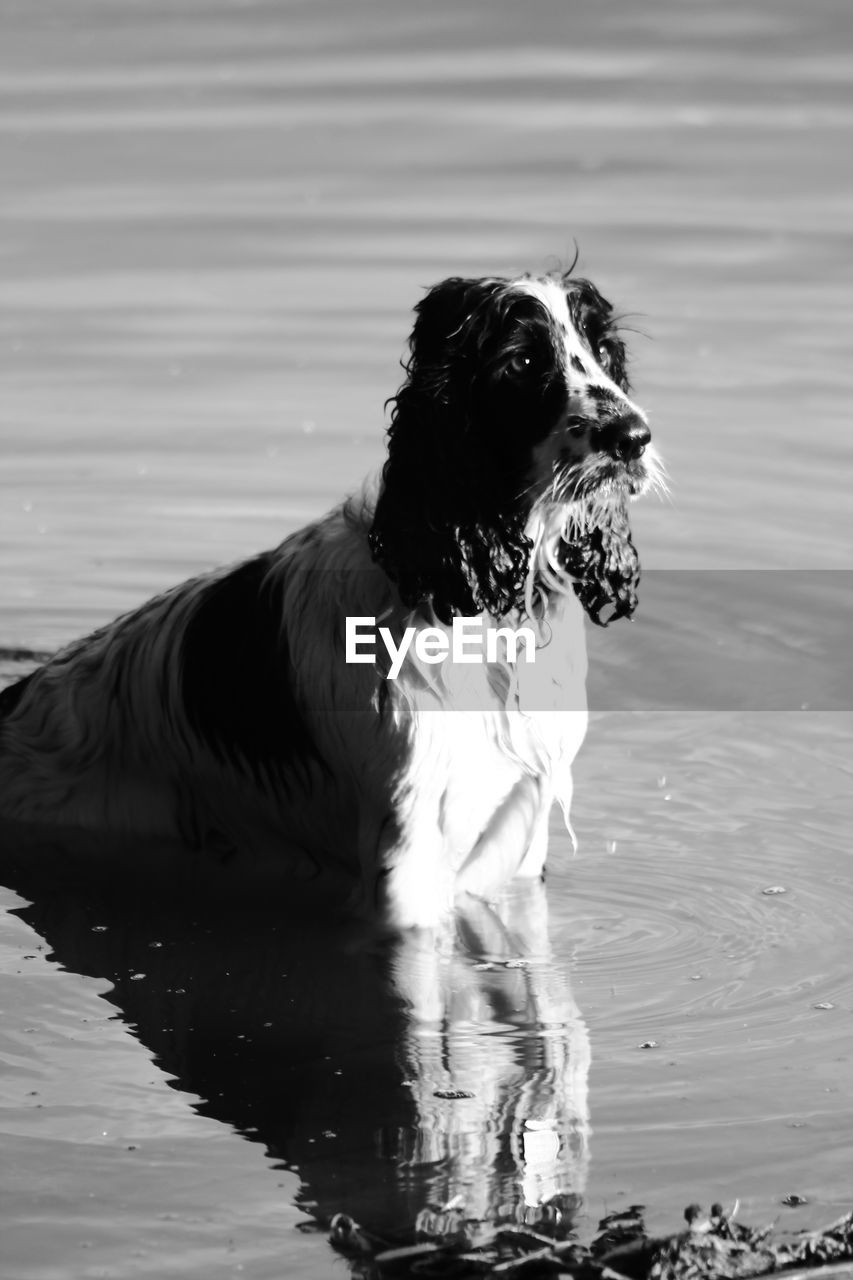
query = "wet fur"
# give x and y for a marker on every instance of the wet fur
(223, 712)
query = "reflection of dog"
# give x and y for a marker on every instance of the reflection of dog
(225, 712)
(350, 1063)
(497, 1059)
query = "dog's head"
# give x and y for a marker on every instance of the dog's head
(514, 449)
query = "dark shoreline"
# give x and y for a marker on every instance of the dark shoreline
(713, 1245)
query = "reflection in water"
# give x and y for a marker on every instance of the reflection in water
(496, 1057)
(391, 1075)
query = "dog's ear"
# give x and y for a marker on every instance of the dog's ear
(440, 530)
(443, 318)
(604, 564)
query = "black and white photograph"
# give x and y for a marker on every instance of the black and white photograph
(426, 601)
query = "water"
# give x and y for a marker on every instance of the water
(216, 218)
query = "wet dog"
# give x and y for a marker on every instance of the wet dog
(231, 713)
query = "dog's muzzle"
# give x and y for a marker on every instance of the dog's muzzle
(624, 438)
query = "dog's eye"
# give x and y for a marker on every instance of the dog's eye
(521, 365)
(603, 355)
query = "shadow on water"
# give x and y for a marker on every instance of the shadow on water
(391, 1075)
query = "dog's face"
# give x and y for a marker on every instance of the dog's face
(516, 430)
(543, 370)
(599, 443)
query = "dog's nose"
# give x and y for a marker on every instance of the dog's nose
(625, 437)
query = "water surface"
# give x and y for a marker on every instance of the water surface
(216, 218)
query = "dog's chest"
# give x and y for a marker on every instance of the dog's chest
(496, 727)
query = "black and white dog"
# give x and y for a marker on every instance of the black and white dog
(225, 712)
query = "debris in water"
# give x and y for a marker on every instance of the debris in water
(445, 1244)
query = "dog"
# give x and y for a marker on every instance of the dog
(226, 713)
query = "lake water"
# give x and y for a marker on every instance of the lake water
(217, 216)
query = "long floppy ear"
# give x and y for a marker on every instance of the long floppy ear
(605, 566)
(445, 529)
(601, 557)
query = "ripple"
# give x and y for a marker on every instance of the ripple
(692, 951)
